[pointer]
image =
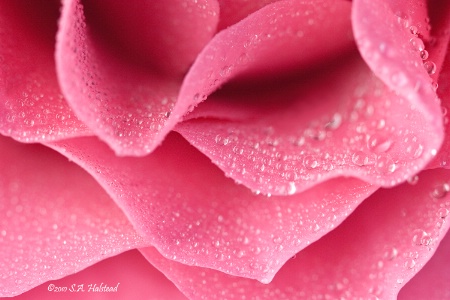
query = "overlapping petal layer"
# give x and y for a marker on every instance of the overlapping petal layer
(130, 272)
(191, 213)
(55, 221)
(371, 255)
(124, 100)
(285, 134)
(32, 107)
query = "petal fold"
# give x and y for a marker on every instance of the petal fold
(186, 208)
(116, 65)
(32, 108)
(371, 255)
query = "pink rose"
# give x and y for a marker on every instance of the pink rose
(315, 169)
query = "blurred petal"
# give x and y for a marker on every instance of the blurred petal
(130, 272)
(32, 107)
(122, 97)
(376, 250)
(193, 214)
(54, 218)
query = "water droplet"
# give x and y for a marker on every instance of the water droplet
(385, 164)
(417, 43)
(440, 191)
(292, 188)
(310, 162)
(413, 29)
(421, 238)
(379, 144)
(410, 263)
(430, 67)
(400, 280)
(442, 212)
(423, 54)
(434, 85)
(413, 180)
(360, 158)
(277, 240)
(335, 122)
(391, 253)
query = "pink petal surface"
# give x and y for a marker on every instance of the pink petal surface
(232, 11)
(371, 255)
(129, 271)
(32, 107)
(54, 218)
(432, 281)
(124, 100)
(387, 43)
(193, 214)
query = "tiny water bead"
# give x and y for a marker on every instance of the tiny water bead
(443, 212)
(421, 238)
(360, 158)
(385, 165)
(413, 180)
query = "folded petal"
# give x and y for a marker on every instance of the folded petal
(129, 271)
(371, 255)
(289, 130)
(32, 107)
(54, 218)
(120, 64)
(432, 281)
(193, 214)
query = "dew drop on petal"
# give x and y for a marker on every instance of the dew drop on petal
(385, 165)
(440, 191)
(421, 238)
(430, 67)
(413, 180)
(360, 158)
(423, 54)
(417, 43)
(443, 212)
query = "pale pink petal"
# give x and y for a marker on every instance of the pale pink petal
(116, 64)
(54, 218)
(432, 281)
(130, 272)
(177, 199)
(371, 255)
(32, 107)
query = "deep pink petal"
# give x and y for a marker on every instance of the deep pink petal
(130, 272)
(193, 214)
(432, 281)
(32, 107)
(125, 99)
(232, 11)
(54, 218)
(371, 255)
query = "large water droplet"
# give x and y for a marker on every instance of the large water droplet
(423, 54)
(379, 144)
(421, 238)
(430, 67)
(417, 44)
(360, 158)
(440, 191)
(385, 164)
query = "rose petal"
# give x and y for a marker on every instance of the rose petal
(369, 256)
(232, 11)
(55, 219)
(32, 107)
(192, 214)
(129, 271)
(432, 281)
(383, 33)
(127, 103)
